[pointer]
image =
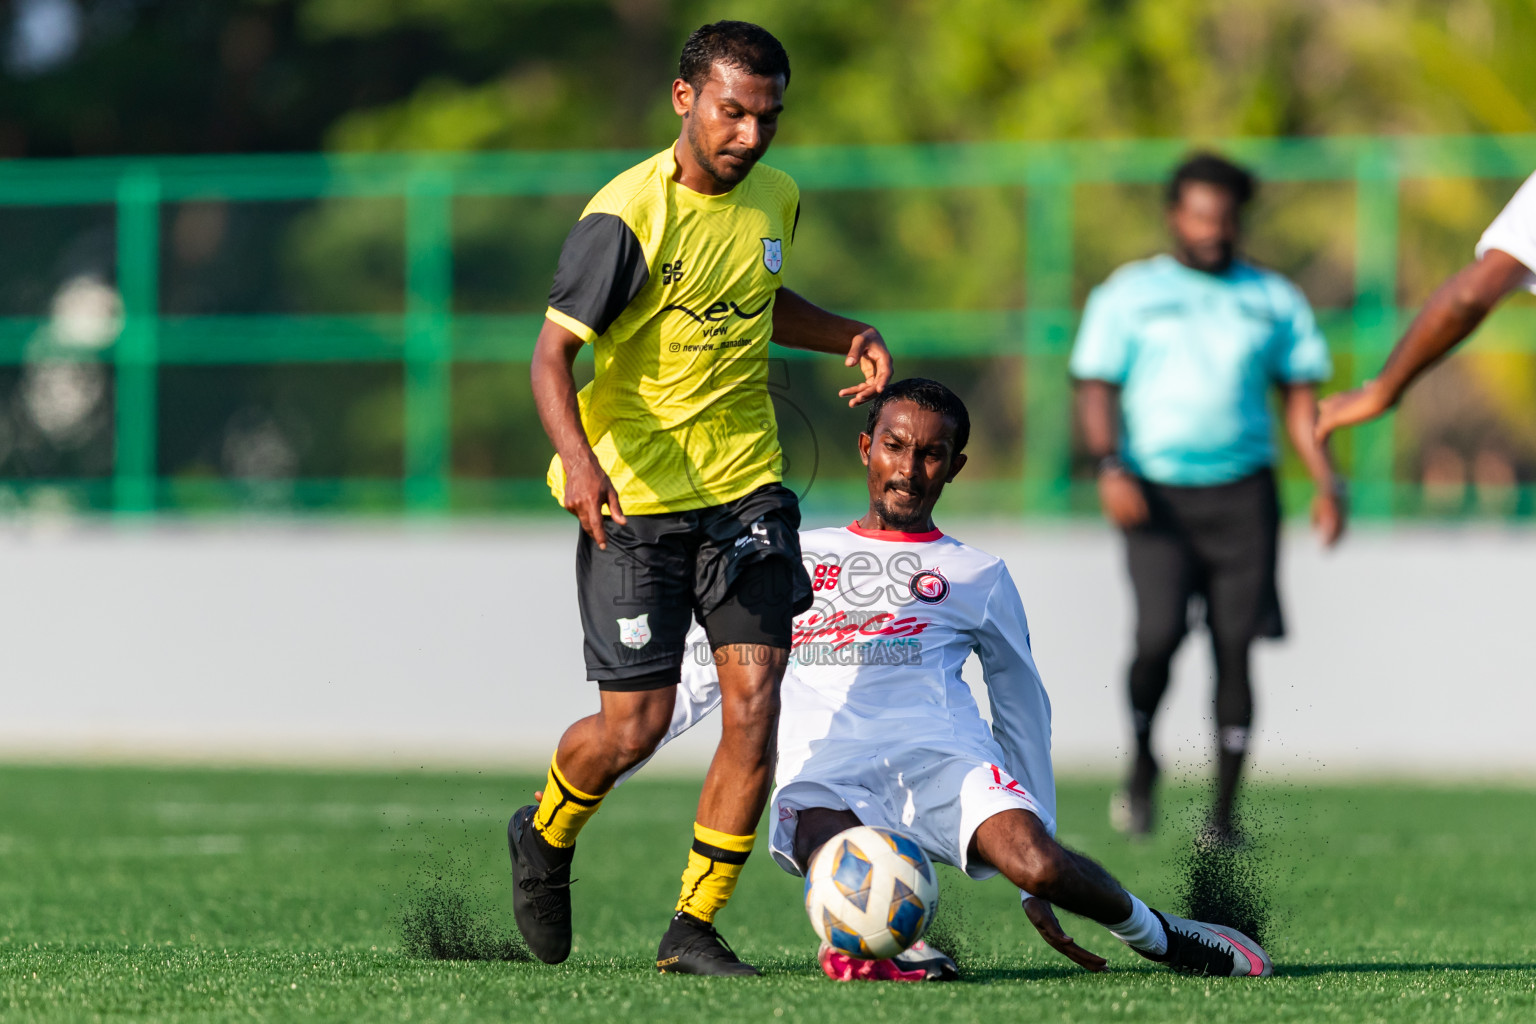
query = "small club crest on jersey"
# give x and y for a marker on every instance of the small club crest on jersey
(635, 633)
(928, 586)
(773, 254)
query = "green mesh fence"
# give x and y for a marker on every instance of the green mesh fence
(421, 278)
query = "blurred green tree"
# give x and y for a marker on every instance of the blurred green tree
(210, 76)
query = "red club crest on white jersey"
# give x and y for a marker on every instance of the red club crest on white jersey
(928, 586)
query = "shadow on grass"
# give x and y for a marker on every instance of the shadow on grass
(794, 969)
(984, 975)
(1317, 970)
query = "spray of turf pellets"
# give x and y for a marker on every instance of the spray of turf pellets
(442, 921)
(951, 931)
(447, 911)
(1225, 881)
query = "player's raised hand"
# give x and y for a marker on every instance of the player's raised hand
(1350, 408)
(869, 354)
(587, 490)
(1043, 918)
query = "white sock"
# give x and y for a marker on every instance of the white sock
(1141, 931)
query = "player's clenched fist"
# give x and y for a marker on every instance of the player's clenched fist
(1122, 500)
(1328, 516)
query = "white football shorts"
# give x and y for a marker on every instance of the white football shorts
(939, 798)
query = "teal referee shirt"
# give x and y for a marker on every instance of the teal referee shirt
(1195, 356)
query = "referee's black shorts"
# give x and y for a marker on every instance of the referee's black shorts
(736, 566)
(1220, 543)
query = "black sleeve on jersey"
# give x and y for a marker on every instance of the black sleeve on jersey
(796, 226)
(602, 268)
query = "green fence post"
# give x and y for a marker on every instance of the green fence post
(428, 355)
(1048, 230)
(1375, 317)
(135, 468)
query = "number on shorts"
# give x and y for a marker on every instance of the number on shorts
(1012, 785)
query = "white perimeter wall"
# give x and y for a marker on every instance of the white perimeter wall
(1410, 650)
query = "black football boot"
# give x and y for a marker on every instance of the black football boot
(692, 946)
(541, 897)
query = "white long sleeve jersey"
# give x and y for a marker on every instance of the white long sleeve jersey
(876, 661)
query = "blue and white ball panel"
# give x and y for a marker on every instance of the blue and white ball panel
(843, 938)
(851, 871)
(908, 917)
(908, 850)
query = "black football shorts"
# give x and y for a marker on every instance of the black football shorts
(1220, 543)
(735, 566)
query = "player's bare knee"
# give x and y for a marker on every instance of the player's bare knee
(1040, 867)
(753, 704)
(632, 740)
(816, 825)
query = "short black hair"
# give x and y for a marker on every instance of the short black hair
(1211, 169)
(925, 394)
(740, 44)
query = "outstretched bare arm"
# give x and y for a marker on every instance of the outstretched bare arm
(799, 323)
(1452, 313)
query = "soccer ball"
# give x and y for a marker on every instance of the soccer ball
(871, 892)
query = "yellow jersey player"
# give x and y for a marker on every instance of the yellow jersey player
(670, 459)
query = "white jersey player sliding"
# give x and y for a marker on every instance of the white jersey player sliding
(878, 728)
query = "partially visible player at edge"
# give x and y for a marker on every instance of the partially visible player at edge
(880, 729)
(1504, 261)
(670, 459)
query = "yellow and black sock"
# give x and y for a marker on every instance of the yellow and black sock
(714, 865)
(564, 809)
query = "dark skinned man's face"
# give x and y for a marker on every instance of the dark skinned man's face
(1206, 227)
(729, 121)
(911, 456)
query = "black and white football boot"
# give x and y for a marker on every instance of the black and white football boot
(541, 895)
(935, 964)
(1213, 950)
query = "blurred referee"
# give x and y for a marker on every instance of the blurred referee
(1174, 365)
(670, 459)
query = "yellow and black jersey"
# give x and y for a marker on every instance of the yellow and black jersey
(675, 290)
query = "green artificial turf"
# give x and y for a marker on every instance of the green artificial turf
(181, 894)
